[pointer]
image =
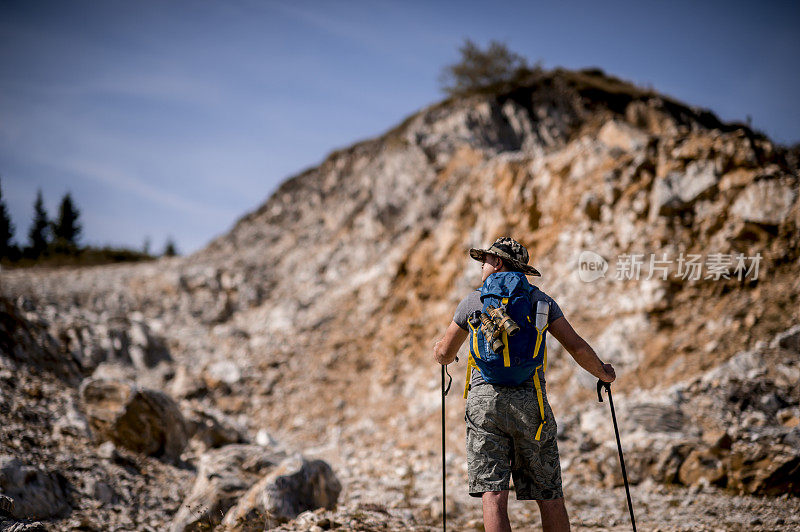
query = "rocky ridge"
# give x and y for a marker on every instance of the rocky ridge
(310, 323)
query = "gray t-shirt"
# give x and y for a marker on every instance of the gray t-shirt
(472, 302)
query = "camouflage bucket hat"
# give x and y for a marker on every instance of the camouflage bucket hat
(510, 251)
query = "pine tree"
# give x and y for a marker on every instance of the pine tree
(66, 229)
(38, 234)
(170, 250)
(7, 250)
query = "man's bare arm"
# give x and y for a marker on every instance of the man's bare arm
(581, 351)
(446, 349)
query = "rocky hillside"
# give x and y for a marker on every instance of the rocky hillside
(308, 329)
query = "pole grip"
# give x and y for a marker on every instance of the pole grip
(600, 385)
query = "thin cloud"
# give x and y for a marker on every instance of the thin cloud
(353, 32)
(59, 139)
(121, 180)
(163, 87)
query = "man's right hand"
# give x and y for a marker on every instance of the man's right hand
(609, 375)
(445, 350)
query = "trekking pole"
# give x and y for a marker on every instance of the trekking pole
(444, 459)
(607, 386)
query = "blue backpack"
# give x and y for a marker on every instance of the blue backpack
(505, 358)
(508, 359)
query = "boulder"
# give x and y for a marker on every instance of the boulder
(616, 134)
(222, 372)
(101, 491)
(701, 464)
(29, 342)
(666, 468)
(72, 423)
(296, 485)
(37, 494)
(789, 417)
(6, 506)
(718, 440)
(678, 190)
(146, 350)
(657, 417)
(764, 469)
(223, 475)
(141, 420)
(212, 428)
(186, 384)
(766, 202)
(788, 339)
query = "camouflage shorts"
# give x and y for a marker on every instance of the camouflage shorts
(501, 429)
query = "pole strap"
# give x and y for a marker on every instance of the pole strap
(540, 398)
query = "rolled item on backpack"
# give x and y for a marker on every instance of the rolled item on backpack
(542, 310)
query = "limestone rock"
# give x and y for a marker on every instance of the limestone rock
(212, 428)
(24, 525)
(665, 469)
(719, 440)
(186, 384)
(701, 464)
(146, 349)
(765, 202)
(223, 476)
(678, 190)
(29, 342)
(37, 494)
(295, 486)
(647, 116)
(142, 420)
(657, 417)
(789, 417)
(73, 422)
(617, 134)
(101, 491)
(6, 506)
(789, 339)
(764, 469)
(223, 371)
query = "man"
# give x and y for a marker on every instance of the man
(510, 429)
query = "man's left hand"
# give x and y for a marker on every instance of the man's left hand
(610, 374)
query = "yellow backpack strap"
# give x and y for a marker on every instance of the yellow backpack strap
(538, 384)
(539, 339)
(470, 364)
(474, 346)
(470, 360)
(536, 381)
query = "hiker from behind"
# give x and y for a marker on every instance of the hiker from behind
(511, 431)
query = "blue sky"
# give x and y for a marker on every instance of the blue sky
(174, 118)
